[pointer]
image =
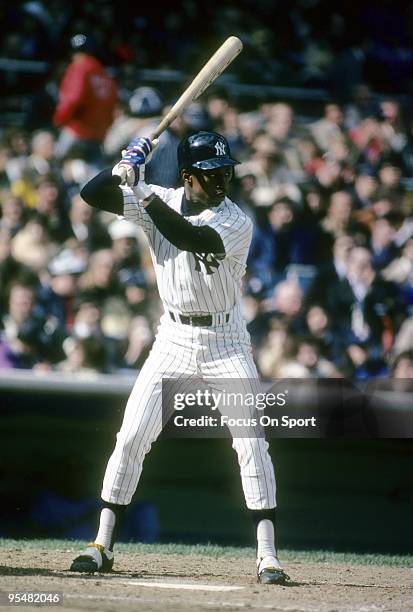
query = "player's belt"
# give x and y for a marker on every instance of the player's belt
(218, 318)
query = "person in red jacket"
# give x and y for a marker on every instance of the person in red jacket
(88, 97)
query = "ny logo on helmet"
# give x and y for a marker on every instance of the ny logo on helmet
(220, 148)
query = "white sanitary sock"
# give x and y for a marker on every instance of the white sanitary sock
(106, 527)
(265, 539)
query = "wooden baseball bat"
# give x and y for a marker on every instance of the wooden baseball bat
(215, 66)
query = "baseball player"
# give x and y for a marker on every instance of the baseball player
(199, 241)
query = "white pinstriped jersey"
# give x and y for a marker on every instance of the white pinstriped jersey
(192, 283)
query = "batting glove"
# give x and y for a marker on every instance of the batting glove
(125, 172)
(138, 151)
(134, 158)
(141, 189)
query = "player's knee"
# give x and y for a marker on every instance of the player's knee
(133, 443)
(251, 450)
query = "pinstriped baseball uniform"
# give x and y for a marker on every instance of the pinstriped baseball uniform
(192, 284)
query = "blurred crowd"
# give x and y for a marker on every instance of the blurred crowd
(311, 43)
(329, 284)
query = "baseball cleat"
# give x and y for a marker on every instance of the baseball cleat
(94, 558)
(269, 571)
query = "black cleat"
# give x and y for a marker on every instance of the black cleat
(94, 558)
(269, 571)
(272, 575)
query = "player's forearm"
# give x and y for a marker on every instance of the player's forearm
(103, 192)
(179, 231)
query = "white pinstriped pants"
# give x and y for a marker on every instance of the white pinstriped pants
(182, 351)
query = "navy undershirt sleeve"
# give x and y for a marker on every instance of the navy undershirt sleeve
(103, 192)
(181, 232)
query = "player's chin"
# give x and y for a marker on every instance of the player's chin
(216, 197)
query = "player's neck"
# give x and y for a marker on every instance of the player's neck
(192, 207)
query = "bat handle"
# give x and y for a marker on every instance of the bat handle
(164, 124)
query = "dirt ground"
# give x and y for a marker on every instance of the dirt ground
(174, 582)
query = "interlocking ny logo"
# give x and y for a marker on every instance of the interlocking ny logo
(210, 262)
(220, 148)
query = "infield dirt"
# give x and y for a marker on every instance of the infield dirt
(176, 582)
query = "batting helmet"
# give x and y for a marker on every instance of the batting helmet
(204, 151)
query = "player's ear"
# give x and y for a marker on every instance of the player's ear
(186, 176)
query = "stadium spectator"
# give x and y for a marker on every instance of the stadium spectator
(308, 360)
(32, 246)
(12, 213)
(287, 301)
(88, 98)
(57, 296)
(140, 112)
(100, 279)
(280, 126)
(369, 140)
(338, 219)
(275, 347)
(85, 225)
(271, 247)
(362, 105)
(127, 264)
(319, 327)
(17, 144)
(88, 347)
(393, 127)
(326, 130)
(331, 271)
(140, 338)
(101, 283)
(217, 103)
(400, 269)
(163, 166)
(367, 309)
(403, 366)
(42, 159)
(390, 174)
(84, 356)
(268, 164)
(51, 209)
(11, 269)
(365, 187)
(404, 339)
(28, 339)
(382, 244)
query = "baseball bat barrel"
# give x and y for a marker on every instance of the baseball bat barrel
(215, 66)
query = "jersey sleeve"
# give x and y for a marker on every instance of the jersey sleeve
(235, 230)
(135, 212)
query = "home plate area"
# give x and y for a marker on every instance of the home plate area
(155, 582)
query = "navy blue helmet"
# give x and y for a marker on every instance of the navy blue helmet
(204, 151)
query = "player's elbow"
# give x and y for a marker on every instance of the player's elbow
(100, 194)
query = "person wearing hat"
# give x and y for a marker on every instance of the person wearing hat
(199, 240)
(57, 297)
(88, 97)
(141, 111)
(127, 263)
(162, 168)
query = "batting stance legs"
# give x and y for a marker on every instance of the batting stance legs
(182, 352)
